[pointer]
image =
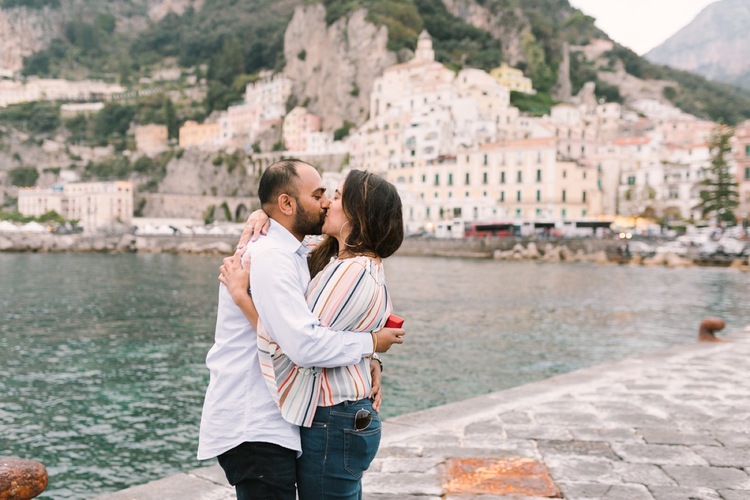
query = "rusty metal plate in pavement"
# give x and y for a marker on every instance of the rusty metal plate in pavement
(515, 476)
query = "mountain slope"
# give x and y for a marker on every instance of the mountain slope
(230, 41)
(716, 44)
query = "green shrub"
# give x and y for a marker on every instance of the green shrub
(23, 176)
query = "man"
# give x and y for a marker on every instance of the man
(241, 424)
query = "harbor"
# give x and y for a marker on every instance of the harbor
(110, 398)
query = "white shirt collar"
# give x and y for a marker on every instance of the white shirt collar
(288, 240)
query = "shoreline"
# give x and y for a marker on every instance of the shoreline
(599, 251)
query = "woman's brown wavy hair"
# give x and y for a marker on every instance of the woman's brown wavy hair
(373, 208)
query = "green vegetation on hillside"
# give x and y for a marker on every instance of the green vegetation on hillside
(235, 40)
(23, 176)
(40, 117)
(31, 4)
(695, 95)
(15, 216)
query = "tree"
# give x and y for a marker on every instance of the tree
(719, 197)
(23, 176)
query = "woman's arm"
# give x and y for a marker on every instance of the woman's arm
(257, 224)
(236, 279)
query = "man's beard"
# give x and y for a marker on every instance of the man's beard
(308, 222)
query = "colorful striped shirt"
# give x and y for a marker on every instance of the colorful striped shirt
(351, 295)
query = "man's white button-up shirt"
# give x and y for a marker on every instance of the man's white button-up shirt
(238, 405)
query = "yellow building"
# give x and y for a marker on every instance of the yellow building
(199, 134)
(151, 139)
(513, 79)
(97, 206)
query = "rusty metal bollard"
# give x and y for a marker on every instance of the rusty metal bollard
(708, 327)
(21, 479)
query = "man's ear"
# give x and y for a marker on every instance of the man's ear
(286, 204)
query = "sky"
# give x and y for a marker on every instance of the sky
(641, 25)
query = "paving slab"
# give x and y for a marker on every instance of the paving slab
(671, 425)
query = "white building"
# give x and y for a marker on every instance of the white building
(421, 111)
(41, 89)
(269, 94)
(97, 206)
(660, 180)
(518, 180)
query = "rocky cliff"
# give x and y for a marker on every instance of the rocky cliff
(24, 31)
(333, 67)
(715, 44)
(506, 27)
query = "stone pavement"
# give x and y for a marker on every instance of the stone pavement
(673, 425)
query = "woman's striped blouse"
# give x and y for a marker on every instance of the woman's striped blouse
(349, 295)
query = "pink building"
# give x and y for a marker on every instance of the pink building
(299, 125)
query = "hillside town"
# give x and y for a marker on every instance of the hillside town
(455, 147)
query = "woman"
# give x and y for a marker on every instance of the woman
(364, 225)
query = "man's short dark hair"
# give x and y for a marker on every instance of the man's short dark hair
(279, 178)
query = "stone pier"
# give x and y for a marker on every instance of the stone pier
(671, 425)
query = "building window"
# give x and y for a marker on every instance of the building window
(539, 175)
(450, 194)
(562, 213)
(424, 178)
(565, 174)
(519, 177)
(502, 177)
(631, 180)
(747, 150)
(518, 196)
(563, 196)
(485, 160)
(466, 194)
(450, 179)
(583, 213)
(747, 173)
(538, 195)
(484, 178)
(584, 196)
(502, 196)
(428, 212)
(437, 179)
(466, 181)
(584, 175)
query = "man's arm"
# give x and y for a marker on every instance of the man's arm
(280, 300)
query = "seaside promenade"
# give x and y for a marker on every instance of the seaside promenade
(671, 425)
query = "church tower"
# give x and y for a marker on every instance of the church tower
(424, 48)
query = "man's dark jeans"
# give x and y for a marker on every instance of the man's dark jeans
(261, 471)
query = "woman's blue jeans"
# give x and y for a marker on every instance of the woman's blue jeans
(335, 454)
